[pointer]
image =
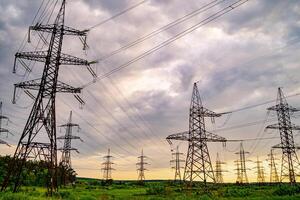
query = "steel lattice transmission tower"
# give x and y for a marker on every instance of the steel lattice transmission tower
(260, 171)
(241, 166)
(107, 166)
(141, 164)
(65, 162)
(176, 164)
(3, 130)
(290, 160)
(218, 170)
(42, 118)
(198, 163)
(274, 178)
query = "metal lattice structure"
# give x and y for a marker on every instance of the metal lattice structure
(176, 164)
(3, 130)
(218, 170)
(198, 163)
(242, 177)
(141, 167)
(290, 162)
(274, 178)
(260, 171)
(65, 162)
(107, 166)
(42, 119)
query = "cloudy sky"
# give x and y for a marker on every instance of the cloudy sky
(239, 60)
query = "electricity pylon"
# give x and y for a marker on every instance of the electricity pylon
(218, 170)
(198, 163)
(241, 166)
(274, 178)
(107, 166)
(176, 164)
(290, 160)
(3, 130)
(141, 167)
(42, 119)
(260, 171)
(65, 161)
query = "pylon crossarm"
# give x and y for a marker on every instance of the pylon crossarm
(277, 126)
(69, 124)
(73, 31)
(35, 85)
(211, 137)
(3, 117)
(48, 28)
(72, 60)
(184, 136)
(66, 137)
(279, 146)
(209, 113)
(179, 136)
(39, 56)
(4, 130)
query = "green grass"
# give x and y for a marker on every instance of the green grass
(89, 189)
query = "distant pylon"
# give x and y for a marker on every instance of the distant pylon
(141, 167)
(198, 164)
(67, 148)
(241, 166)
(107, 166)
(218, 170)
(176, 164)
(3, 130)
(290, 160)
(260, 171)
(274, 178)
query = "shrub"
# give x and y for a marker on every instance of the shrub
(15, 196)
(237, 192)
(284, 190)
(155, 189)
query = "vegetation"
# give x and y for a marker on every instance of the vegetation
(94, 189)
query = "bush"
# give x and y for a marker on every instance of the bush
(289, 190)
(155, 189)
(87, 198)
(14, 196)
(237, 192)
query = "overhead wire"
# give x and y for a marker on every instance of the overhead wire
(120, 124)
(98, 131)
(172, 39)
(118, 14)
(164, 28)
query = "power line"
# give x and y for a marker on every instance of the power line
(172, 39)
(118, 14)
(164, 28)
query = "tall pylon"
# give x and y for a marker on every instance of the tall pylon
(260, 171)
(141, 164)
(65, 161)
(41, 122)
(107, 166)
(3, 130)
(218, 170)
(198, 163)
(274, 178)
(241, 166)
(290, 162)
(176, 164)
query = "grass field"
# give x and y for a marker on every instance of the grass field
(86, 189)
